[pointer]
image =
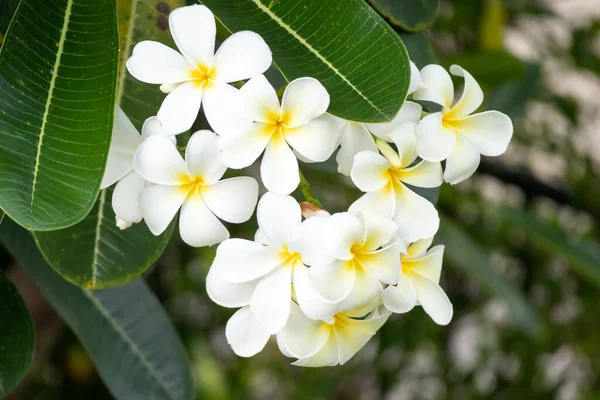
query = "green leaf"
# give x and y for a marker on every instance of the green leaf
(583, 256)
(125, 330)
(17, 337)
(58, 71)
(7, 10)
(96, 254)
(410, 15)
(420, 49)
(489, 67)
(464, 253)
(342, 43)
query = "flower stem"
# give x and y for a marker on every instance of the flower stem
(307, 192)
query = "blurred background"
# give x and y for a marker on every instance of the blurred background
(522, 262)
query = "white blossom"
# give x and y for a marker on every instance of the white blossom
(193, 185)
(384, 182)
(455, 133)
(199, 75)
(419, 283)
(297, 127)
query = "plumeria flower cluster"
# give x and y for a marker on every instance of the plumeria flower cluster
(320, 284)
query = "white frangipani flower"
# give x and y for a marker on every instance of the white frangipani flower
(299, 123)
(453, 133)
(119, 167)
(199, 75)
(356, 137)
(364, 249)
(328, 343)
(193, 185)
(260, 274)
(384, 182)
(419, 283)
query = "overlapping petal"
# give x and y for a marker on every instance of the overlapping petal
(279, 217)
(202, 157)
(433, 300)
(356, 138)
(153, 62)
(344, 231)
(313, 140)
(198, 226)
(242, 150)
(415, 216)
(260, 100)
(271, 300)
(401, 298)
(462, 162)
(303, 337)
(333, 281)
(304, 99)
(436, 86)
(159, 204)
(435, 141)
(370, 171)
(125, 197)
(180, 108)
(242, 55)
(489, 131)
(279, 167)
(240, 260)
(158, 161)
(472, 95)
(245, 334)
(222, 105)
(228, 294)
(194, 30)
(233, 200)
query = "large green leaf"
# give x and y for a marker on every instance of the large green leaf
(17, 337)
(96, 254)
(58, 71)
(583, 256)
(343, 43)
(464, 253)
(7, 9)
(410, 15)
(124, 329)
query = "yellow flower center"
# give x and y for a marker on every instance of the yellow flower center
(289, 258)
(276, 125)
(190, 185)
(202, 75)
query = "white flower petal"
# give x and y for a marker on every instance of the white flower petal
(435, 142)
(429, 265)
(303, 337)
(125, 138)
(125, 202)
(332, 281)
(222, 105)
(260, 99)
(180, 108)
(194, 30)
(472, 95)
(415, 78)
(198, 226)
(425, 174)
(365, 289)
(279, 217)
(404, 137)
(242, 150)
(315, 140)
(304, 99)
(354, 337)
(233, 200)
(415, 216)
(240, 260)
(159, 204)
(158, 161)
(153, 62)
(419, 248)
(436, 86)
(370, 171)
(153, 127)
(401, 298)
(310, 301)
(328, 356)
(271, 300)
(242, 55)
(117, 166)
(202, 157)
(228, 294)
(260, 237)
(245, 334)
(378, 231)
(344, 231)
(309, 240)
(356, 138)
(409, 112)
(433, 300)
(463, 161)
(489, 131)
(279, 167)
(384, 264)
(382, 202)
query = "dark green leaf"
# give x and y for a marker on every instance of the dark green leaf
(17, 337)
(583, 256)
(124, 329)
(410, 15)
(96, 254)
(58, 71)
(464, 253)
(420, 49)
(512, 97)
(342, 43)
(489, 67)
(7, 10)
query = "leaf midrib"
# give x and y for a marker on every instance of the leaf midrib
(98, 238)
(126, 51)
(61, 45)
(302, 41)
(132, 346)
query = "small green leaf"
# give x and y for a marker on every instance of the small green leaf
(583, 256)
(17, 337)
(96, 254)
(343, 43)
(58, 71)
(464, 253)
(410, 15)
(125, 330)
(420, 49)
